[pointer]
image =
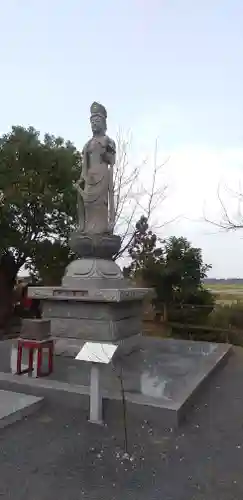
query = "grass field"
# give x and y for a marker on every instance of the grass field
(227, 294)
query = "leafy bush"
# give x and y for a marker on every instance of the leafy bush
(224, 324)
(175, 270)
(227, 316)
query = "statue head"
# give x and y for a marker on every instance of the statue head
(98, 118)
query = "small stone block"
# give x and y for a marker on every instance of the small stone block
(35, 329)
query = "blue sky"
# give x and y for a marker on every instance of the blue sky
(169, 69)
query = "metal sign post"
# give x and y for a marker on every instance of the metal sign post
(96, 354)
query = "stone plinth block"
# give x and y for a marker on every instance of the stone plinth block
(99, 315)
(35, 329)
(102, 246)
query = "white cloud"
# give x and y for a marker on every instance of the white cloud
(194, 174)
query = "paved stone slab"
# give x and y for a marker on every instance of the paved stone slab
(57, 454)
(163, 374)
(15, 406)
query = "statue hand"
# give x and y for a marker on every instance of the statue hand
(77, 183)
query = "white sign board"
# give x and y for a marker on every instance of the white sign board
(96, 352)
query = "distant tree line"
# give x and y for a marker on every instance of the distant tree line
(223, 281)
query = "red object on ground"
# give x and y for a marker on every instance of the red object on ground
(38, 345)
(26, 302)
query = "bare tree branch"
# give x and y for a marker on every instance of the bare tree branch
(229, 222)
(133, 197)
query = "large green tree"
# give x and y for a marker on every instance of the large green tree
(37, 206)
(175, 269)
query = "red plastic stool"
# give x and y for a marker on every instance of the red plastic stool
(33, 345)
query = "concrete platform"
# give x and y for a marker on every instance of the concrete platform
(59, 455)
(15, 406)
(161, 374)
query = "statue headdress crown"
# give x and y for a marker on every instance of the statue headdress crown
(98, 109)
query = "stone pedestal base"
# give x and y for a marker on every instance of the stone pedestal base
(102, 246)
(101, 315)
(95, 303)
(93, 273)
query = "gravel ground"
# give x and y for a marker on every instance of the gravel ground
(56, 454)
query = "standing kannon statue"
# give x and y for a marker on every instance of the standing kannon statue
(96, 211)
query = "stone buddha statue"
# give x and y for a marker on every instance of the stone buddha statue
(96, 211)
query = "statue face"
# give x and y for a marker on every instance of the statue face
(97, 124)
